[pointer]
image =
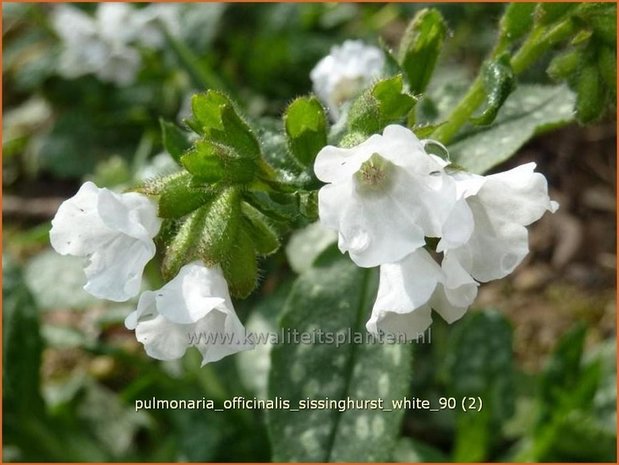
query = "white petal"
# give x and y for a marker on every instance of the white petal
(192, 294)
(335, 164)
(425, 201)
(115, 271)
(114, 231)
(403, 292)
(132, 214)
(146, 310)
(116, 22)
(227, 336)
(72, 24)
(410, 325)
(371, 226)
(457, 291)
(457, 228)
(519, 195)
(163, 339)
(443, 306)
(467, 184)
(495, 247)
(77, 228)
(407, 284)
(401, 146)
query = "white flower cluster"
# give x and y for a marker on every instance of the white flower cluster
(106, 45)
(386, 197)
(346, 71)
(115, 232)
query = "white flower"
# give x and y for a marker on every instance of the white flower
(114, 231)
(346, 71)
(384, 196)
(194, 309)
(410, 289)
(98, 45)
(152, 18)
(501, 206)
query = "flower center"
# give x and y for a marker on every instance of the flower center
(374, 173)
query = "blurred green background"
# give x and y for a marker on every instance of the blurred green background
(71, 371)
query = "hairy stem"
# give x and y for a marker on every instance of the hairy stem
(537, 43)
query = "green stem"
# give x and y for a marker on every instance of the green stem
(537, 43)
(461, 113)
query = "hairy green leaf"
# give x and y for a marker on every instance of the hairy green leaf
(175, 140)
(306, 127)
(499, 82)
(181, 197)
(517, 20)
(385, 103)
(421, 47)
(216, 117)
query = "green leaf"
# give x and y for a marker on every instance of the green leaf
(579, 438)
(259, 229)
(181, 197)
(240, 266)
(283, 207)
(175, 140)
(182, 248)
(221, 226)
(216, 117)
(155, 186)
(306, 127)
(517, 20)
(499, 82)
(420, 48)
(480, 364)
(591, 98)
(211, 162)
(475, 435)
(385, 103)
(566, 422)
(207, 234)
(550, 12)
(530, 109)
(607, 65)
(22, 346)
(602, 18)
(566, 64)
(354, 370)
(562, 370)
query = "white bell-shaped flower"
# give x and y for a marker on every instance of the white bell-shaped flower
(502, 205)
(114, 232)
(410, 289)
(384, 196)
(346, 71)
(193, 309)
(100, 45)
